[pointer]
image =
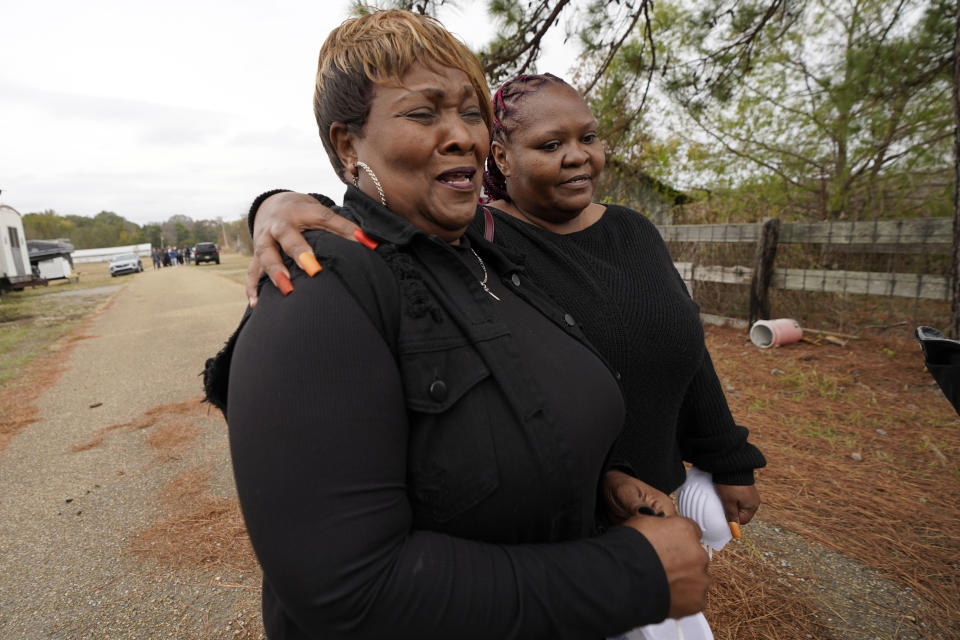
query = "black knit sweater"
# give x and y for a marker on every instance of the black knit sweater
(618, 280)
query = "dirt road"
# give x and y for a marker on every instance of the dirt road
(122, 447)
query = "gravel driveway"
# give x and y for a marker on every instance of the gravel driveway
(79, 486)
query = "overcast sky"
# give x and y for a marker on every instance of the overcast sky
(152, 109)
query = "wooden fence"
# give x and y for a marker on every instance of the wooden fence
(905, 237)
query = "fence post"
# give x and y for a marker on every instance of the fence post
(763, 271)
(954, 329)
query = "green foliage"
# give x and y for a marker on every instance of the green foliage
(520, 31)
(103, 230)
(813, 108)
(849, 107)
(832, 110)
(209, 230)
(107, 229)
(643, 132)
(153, 233)
(47, 225)
(180, 233)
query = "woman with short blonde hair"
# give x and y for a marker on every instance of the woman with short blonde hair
(417, 432)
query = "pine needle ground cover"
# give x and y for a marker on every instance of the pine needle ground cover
(863, 460)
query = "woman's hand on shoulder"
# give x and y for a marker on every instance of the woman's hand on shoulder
(278, 226)
(625, 495)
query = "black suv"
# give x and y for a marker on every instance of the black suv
(206, 252)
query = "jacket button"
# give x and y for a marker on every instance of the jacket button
(569, 319)
(616, 374)
(515, 279)
(438, 390)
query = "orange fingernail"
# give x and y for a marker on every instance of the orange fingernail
(309, 263)
(363, 239)
(283, 283)
(735, 529)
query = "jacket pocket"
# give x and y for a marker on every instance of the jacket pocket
(451, 456)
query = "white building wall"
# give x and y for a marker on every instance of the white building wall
(104, 254)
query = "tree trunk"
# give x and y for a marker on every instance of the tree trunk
(954, 329)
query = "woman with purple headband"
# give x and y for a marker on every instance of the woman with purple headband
(608, 267)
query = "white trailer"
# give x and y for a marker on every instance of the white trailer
(15, 271)
(50, 259)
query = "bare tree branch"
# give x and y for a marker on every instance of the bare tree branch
(515, 45)
(611, 54)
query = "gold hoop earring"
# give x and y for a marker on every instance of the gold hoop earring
(373, 176)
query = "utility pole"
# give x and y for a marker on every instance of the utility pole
(223, 230)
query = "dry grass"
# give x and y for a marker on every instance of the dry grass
(38, 331)
(95, 442)
(207, 533)
(172, 438)
(814, 409)
(750, 599)
(200, 531)
(203, 531)
(172, 434)
(19, 393)
(14, 414)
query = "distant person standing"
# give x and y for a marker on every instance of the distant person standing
(155, 255)
(172, 255)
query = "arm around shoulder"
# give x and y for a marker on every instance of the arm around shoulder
(277, 220)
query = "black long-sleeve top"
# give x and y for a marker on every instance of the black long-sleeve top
(417, 460)
(617, 278)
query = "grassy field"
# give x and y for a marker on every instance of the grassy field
(34, 319)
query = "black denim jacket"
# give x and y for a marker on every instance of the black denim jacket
(461, 372)
(484, 459)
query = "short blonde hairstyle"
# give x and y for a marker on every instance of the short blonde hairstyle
(382, 47)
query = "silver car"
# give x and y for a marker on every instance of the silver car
(125, 263)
